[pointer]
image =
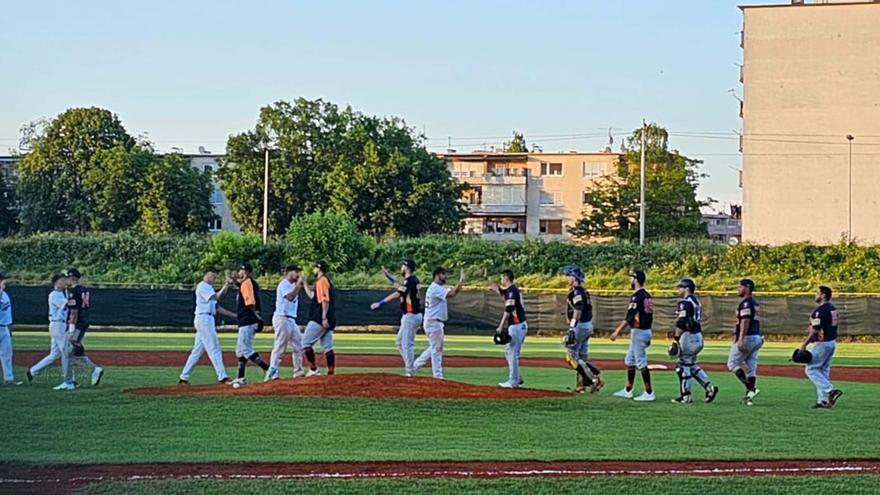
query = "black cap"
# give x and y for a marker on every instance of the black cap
(746, 282)
(246, 267)
(639, 276)
(409, 263)
(322, 265)
(438, 271)
(687, 284)
(73, 273)
(56, 277)
(293, 268)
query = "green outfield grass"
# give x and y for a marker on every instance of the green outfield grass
(103, 424)
(659, 485)
(848, 354)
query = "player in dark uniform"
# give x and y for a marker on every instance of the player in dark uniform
(79, 301)
(743, 359)
(513, 323)
(407, 291)
(579, 308)
(250, 322)
(322, 320)
(822, 341)
(639, 318)
(688, 342)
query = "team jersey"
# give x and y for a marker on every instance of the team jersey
(248, 302)
(640, 313)
(689, 315)
(5, 310)
(409, 296)
(435, 302)
(513, 304)
(284, 307)
(79, 299)
(824, 319)
(324, 292)
(579, 298)
(749, 310)
(205, 302)
(57, 306)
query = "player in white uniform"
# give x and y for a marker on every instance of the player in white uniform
(61, 338)
(6, 334)
(287, 334)
(436, 313)
(206, 328)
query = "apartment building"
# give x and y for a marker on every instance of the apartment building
(811, 122)
(520, 196)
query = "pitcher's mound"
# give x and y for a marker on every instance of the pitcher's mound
(371, 385)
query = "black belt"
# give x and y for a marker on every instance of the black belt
(204, 314)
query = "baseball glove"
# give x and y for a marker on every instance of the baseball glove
(260, 326)
(674, 349)
(501, 338)
(802, 357)
(77, 349)
(570, 338)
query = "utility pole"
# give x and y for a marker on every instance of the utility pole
(266, 198)
(849, 234)
(642, 186)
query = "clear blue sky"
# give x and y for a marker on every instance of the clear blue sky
(193, 72)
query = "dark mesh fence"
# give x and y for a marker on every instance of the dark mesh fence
(470, 312)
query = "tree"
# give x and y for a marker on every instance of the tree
(176, 197)
(51, 177)
(116, 182)
(672, 208)
(376, 170)
(8, 220)
(517, 144)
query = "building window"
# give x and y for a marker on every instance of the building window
(552, 227)
(505, 225)
(594, 169)
(474, 195)
(216, 197)
(586, 197)
(215, 225)
(504, 195)
(551, 198)
(551, 169)
(209, 169)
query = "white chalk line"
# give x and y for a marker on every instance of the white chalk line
(459, 473)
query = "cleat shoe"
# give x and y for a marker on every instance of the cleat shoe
(30, 376)
(597, 385)
(271, 374)
(684, 399)
(521, 382)
(833, 396)
(65, 386)
(646, 397)
(580, 389)
(624, 394)
(299, 374)
(822, 405)
(239, 381)
(313, 373)
(711, 392)
(506, 385)
(224, 381)
(751, 394)
(182, 382)
(97, 374)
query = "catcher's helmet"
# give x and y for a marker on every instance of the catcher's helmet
(803, 357)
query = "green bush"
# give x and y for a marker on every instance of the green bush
(227, 251)
(329, 236)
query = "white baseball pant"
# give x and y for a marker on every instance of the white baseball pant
(206, 341)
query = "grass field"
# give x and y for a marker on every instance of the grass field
(106, 425)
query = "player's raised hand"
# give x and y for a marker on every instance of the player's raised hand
(493, 287)
(374, 306)
(3, 284)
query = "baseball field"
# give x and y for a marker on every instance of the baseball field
(370, 430)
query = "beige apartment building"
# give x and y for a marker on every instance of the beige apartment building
(517, 196)
(811, 78)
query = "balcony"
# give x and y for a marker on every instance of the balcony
(484, 209)
(505, 176)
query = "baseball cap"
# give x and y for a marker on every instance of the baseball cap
(573, 270)
(639, 276)
(293, 268)
(409, 263)
(73, 273)
(746, 282)
(246, 267)
(438, 271)
(687, 283)
(322, 265)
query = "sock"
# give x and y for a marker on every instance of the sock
(255, 357)
(752, 381)
(593, 369)
(331, 362)
(630, 377)
(309, 353)
(741, 376)
(585, 380)
(242, 363)
(646, 377)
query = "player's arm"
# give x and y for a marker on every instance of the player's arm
(455, 290)
(577, 309)
(225, 312)
(385, 300)
(683, 319)
(816, 321)
(509, 308)
(290, 296)
(627, 322)
(322, 292)
(223, 290)
(741, 335)
(390, 277)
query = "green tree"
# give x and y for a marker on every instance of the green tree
(52, 176)
(176, 197)
(517, 144)
(377, 170)
(327, 235)
(8, 220)
(672, 208)
(116, 182)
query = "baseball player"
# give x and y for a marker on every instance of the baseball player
(436, 313)
(78, 304)
(287, 334)
(322, 320)
(206, 340)
(822, 340)
(639, 318)
(6, 334)
(513, 322)
(410, 311)
(579, 309)
(688, 342)
(250, 321)
(61, 338)
(743, 359)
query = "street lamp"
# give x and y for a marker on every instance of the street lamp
(266, 198)
(849, 138)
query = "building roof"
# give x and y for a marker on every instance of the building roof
(488, 155)
(802, 5)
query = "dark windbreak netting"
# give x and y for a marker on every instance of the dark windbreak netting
(470, 312)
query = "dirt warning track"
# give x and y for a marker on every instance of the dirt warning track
(177, 358)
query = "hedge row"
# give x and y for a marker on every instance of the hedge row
(129, 258)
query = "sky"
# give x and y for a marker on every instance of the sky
(469, 72)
